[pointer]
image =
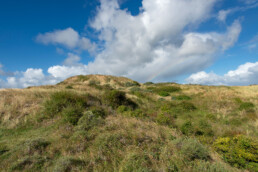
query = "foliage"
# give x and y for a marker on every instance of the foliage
(181, 97)
(132, 84)
(192, 149)
(63, 99)
(239, 151)
(246, 106)
(115, 98)
(69, 87)
(72, 114)
(164, 119)
(163, 93)
(187, 128)
(68, 164)
(82, 78)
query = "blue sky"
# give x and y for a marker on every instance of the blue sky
(187, 41)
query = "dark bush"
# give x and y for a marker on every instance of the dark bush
(246, 106)
(148, 83)
(163, 93)
(164, 119)
(204, 128)
(29, 163)
(186, 106)
(187, 128)
(117, 98)
(68, 164)
(83, 78)
(63, 99)
(69, 87)
(88, 121)
(181, 97)
(132, 84)
(72, 114)
(35, 146)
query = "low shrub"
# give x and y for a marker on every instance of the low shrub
(72, 114)
(68, 164)
(122, 109)
(37, 145)
(167, 89)
(63, 99)
(163, 93)
(3, 149)
(132, 84)
(117, 98)
(88, 121)
(192, 149)
(181, 97)
(239, 151)
(29, 163)
(83, 78)
(148, 83)
(204, 128)
(210, 167)
(69, 87)
(246, 106)
(187, 128)
(164, 119)
(186, 106)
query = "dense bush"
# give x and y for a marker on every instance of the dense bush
(192, 149)
(186, 106)
(29, 163)
(164, 119)
(246, 106)
(115, 98)
(239, 151)
(83, 78)
(167, 89)
(204, 128)
(72, 114)
(181, 97)
(148, 83)
(68, 164)
(35, 146)
(187, 128)
(210, 167)
(163, 93)
(88, 121)
(132, 84)
(63, 99)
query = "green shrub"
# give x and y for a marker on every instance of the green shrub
(3, 149)
(200, 166)
(122, 109)
(98, 111)
(164, 119)
(137, 113)
(37, 145)
(246, 106)
(83, 78)
(88, 121)
(117, 98)
(163, 93)
(187, 128)
(192, 149)
(29, 163)
(239, 151)
(148, 83)
(63, 99)
(204, 128)
(186, 106)
(136, 162)
(181, 97)
(132, 84)
(68, 164)
(72, 114)
(69, 87)
(168, 89)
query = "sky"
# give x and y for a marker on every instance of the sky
(211, 42)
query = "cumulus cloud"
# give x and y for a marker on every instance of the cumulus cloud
(68, 38)
(245, 74)
(158, 44)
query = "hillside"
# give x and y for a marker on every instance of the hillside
(107, 123)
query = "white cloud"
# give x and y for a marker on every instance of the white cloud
(68, 38)
(245, 74)
(72, 60)
(157, 44)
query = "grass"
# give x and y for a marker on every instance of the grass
(105, 123)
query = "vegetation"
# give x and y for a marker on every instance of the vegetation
(105, 123)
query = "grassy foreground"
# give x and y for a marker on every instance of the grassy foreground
(106, 123)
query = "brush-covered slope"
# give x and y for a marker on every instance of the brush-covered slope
(107, 123)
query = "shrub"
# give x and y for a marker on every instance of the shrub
(136, 162)
(69, 87)
(63, 99)
(72, 114)
(122, 109)
(30, 163)
(210, 167)
(98, 111)
(148, 83)
(132, 84)
(68, 164)
(182, 97)
(117, 98)
(204, 128)
(239, 151)
(164, 119)
(168, 89)
(163, 93)
(187, 128)
(246, 106)
(3, 149)
(36, 145)
(186, 106)
(192, 149)
(88, 121)
(83, 78)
